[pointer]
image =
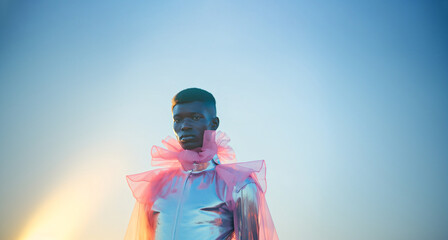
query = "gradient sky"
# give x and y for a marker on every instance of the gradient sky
(345, 100)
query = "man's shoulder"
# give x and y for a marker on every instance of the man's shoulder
(249, 181)
(145, 185)
(239, 175)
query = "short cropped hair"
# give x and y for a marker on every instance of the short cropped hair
(192, 95)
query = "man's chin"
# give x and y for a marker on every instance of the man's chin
(190, 146)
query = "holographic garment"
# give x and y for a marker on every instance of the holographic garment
(198, 197)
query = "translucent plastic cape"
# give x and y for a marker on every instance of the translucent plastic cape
(146, 186)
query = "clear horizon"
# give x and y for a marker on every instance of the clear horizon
(346, 101)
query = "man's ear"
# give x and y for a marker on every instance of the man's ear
(215, 123)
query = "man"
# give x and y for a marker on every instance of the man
(201, 193)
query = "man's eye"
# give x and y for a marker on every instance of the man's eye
(176, 120)
(196, 117)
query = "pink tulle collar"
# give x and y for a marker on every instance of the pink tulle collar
(173, 155)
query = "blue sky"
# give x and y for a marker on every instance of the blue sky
(345, 100)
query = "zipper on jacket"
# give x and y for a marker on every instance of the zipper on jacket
(179, 205)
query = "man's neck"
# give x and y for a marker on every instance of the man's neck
(198, 167)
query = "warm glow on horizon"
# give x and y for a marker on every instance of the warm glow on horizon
(62, 214)
(68, 209)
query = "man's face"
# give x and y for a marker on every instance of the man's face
(190, 122)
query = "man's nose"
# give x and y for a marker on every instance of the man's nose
(186, 125)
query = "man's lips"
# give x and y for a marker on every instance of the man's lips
(187, 138)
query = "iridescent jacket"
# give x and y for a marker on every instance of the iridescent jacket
(211, 201)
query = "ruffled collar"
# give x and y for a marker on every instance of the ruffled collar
(173, 155)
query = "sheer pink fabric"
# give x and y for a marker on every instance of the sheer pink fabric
(147, 186)
(173, 154)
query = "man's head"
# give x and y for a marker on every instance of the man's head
(194, 111)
